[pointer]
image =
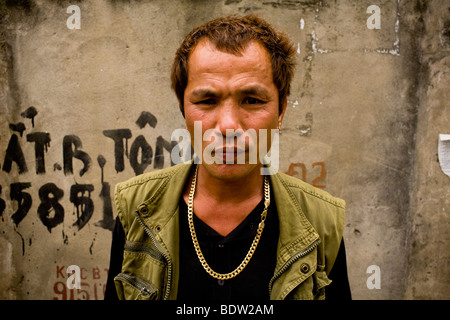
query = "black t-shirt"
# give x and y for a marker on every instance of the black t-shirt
(224, 254)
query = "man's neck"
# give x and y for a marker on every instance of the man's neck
(224, 204)
(229, 191)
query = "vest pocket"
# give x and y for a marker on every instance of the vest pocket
(132, 287)
(320, 282)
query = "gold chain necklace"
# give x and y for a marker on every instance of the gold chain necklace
(250, 252)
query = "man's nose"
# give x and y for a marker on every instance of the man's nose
(228, 117)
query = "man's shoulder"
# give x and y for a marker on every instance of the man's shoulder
(309, 191)
(326, 213)
(149, 189)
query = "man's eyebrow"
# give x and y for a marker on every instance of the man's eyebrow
(203, 92)
(258, 91)
(246, 91)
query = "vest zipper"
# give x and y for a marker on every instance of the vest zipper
(138, 247)
(162, 252)
(146, 290)
(294, 258)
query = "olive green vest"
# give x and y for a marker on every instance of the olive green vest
(311, 228)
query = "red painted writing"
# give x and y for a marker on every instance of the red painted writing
(91, 288)
(300, 170)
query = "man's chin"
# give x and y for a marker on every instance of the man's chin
(231, 171)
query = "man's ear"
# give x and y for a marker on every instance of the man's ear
(283, 111)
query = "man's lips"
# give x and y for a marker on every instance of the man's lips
(228, 154)
(229, 150)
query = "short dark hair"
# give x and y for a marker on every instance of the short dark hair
(231, 34)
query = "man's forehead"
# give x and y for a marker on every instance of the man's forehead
(206, 59)
(207, 47)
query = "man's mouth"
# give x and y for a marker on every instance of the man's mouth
(229, 153)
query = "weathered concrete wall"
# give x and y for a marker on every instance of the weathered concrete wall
(363, 119)
(428, 236)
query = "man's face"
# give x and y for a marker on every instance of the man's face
(233, 93)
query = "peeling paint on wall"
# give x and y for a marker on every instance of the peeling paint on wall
(444, 153)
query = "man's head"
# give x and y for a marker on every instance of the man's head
(232, 34)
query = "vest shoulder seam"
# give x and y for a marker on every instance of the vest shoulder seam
(293, 182)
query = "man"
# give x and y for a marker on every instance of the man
(221, 229)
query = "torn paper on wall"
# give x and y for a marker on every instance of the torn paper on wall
(444, 153)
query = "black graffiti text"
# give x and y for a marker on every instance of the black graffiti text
(50, 211)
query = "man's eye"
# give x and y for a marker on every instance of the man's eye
(207, 101)
(252, 101)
